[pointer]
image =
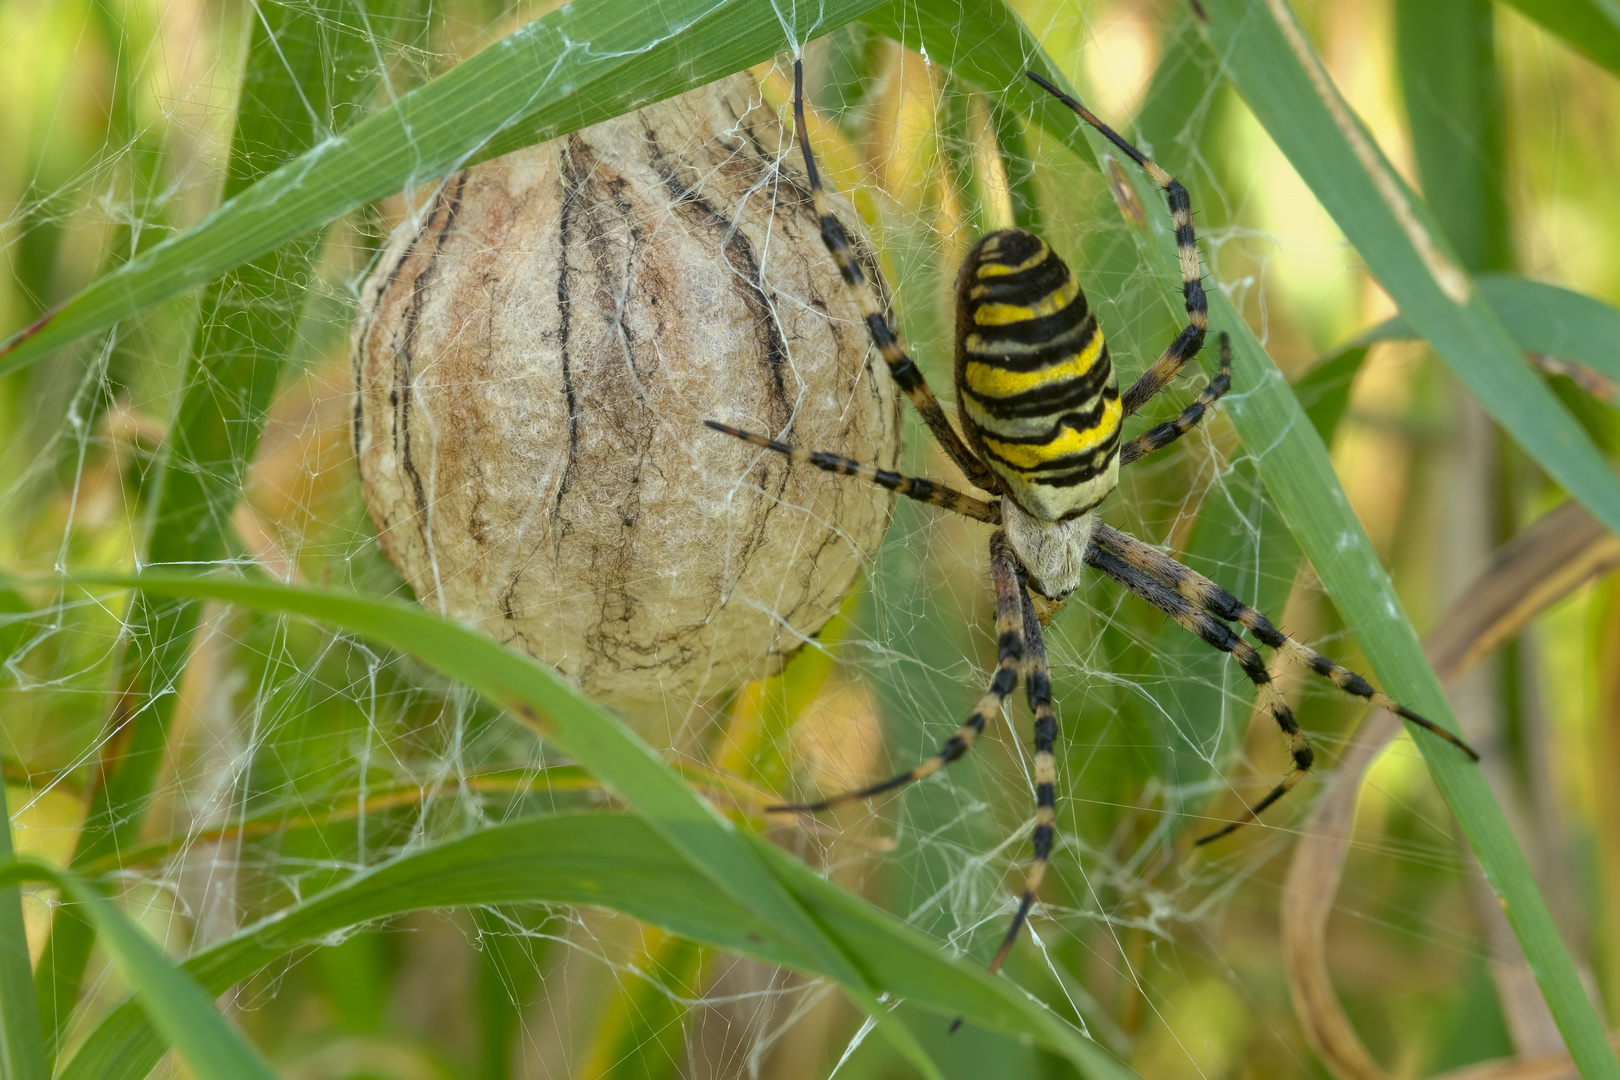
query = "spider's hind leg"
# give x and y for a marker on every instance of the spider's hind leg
(1212, 598)
(1010, 649)
(1198, 604)
(1217, 634)
(1038, 686)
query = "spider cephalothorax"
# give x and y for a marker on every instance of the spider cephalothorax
(1043, 414)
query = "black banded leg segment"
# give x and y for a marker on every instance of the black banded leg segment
(913, 487)
(1191, 339)
(1162, 435)
(1010, 651)
(1209, 596)
(1038, 687)
(905, 373)
(1216, 633)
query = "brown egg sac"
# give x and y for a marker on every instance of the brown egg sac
(535, 357)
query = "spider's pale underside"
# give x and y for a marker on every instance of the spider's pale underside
(1042, 415)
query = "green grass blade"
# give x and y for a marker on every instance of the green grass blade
(1294, 462)
(767, 887)
(619, 862)
(1298, 473)
(1446, 53)
(590, 735)
(1447, 65)
(1391, 231)
(1556, 321)
(1542, 318)
(303, 62)
(22, 1046)
(1590, 27)
(176, 1005)
(577, 66)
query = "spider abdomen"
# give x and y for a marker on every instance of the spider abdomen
(1037, 392)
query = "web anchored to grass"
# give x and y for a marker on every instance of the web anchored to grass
(222, 705)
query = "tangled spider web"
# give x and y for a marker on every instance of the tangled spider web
(291, 756)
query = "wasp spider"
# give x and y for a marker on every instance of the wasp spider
(1042, 414)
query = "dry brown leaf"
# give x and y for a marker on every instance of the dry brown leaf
(1544, 1067)
(1546, 562)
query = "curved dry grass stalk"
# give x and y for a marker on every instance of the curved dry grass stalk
(1562, 551)
(1542, 1067)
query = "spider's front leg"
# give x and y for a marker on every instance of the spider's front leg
(906, 374)
(912, 487)
(1191, 339)
(1162, 435)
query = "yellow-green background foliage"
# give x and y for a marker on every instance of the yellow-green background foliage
(212, 764)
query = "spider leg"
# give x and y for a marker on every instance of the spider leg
(1191, 338)
(1162, 435)
(905, 373)
(913, 487)
(1209, 596)
(1010, 647)
(1218, 634)
(1038, 687)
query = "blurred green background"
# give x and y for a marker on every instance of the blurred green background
(292, 755)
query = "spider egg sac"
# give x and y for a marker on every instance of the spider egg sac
(535, 356)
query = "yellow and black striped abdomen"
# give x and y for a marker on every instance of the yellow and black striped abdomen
(1036, 389)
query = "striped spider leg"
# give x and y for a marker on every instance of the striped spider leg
(905, 373)
(1041, 415)
(1204, 609)
(1162, 435)
(1191, 338)
(1038, 689)
(1010, 650)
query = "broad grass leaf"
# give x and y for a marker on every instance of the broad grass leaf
(176, 1005)
(1542, 318)
(576, 66)
(1590, 27)
(1446, 59)
(783, 901)
(1294, 462)
(615, 861)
